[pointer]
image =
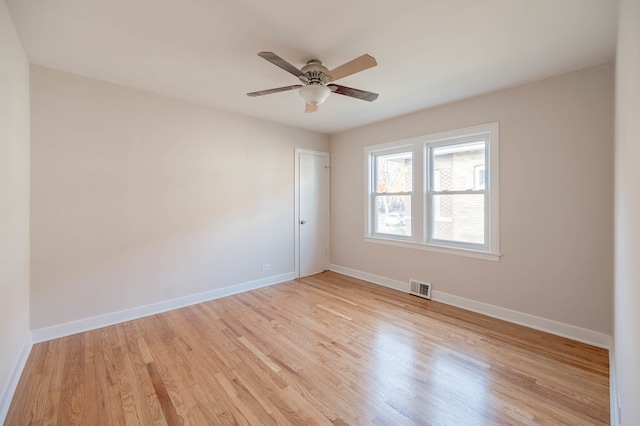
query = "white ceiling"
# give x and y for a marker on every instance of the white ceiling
(429, 52)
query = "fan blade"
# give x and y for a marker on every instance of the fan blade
(276, 90)
(354, 93)
(278, 61)
(360, 63)
(311, 108)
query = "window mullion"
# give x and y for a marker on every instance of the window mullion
(470, 191)
(393, 194)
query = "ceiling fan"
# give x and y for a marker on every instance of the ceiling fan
(317, 80)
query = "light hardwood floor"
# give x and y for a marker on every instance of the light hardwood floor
(320, 350)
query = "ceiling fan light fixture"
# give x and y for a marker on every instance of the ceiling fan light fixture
(317, 80)
(314, 94)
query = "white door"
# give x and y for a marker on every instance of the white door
(312, 212)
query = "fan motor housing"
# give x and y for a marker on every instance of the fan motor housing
(315, 72)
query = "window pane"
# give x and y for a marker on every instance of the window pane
(393, 173)
(458, 167)
(458, 218)
(393, 215)
(480, 178)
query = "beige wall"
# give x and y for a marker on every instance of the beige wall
(14, 205)
(627, 246)
(556, 198)
(138, 198)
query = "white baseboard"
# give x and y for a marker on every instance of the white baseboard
(613, 387)
(10, 387)
(572, 332)
(92, 323)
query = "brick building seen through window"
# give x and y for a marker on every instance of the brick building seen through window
(459, 217)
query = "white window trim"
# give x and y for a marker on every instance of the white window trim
(476, 254)
(419, 231)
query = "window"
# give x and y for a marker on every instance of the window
(454, 194)
(391, 195)
(456, 197)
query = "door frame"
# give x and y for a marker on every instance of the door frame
(296, 223)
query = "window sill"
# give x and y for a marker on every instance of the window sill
(495, 257)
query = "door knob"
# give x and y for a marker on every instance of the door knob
(302, 222)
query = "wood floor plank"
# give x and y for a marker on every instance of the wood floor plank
(325, 349)
(97, 385)
(262, 357)
(168, 409)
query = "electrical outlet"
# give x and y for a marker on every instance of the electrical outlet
(266, 267)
